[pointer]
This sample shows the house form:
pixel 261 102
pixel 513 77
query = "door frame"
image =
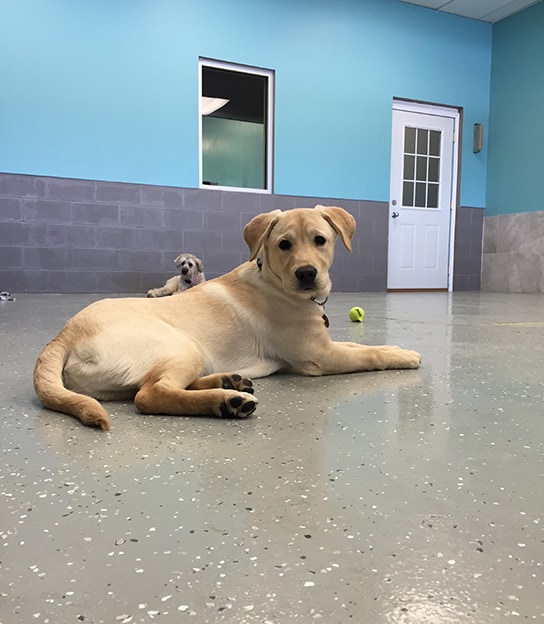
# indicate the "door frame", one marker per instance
pixel 455 113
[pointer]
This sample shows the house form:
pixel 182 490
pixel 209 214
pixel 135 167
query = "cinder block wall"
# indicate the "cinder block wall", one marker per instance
pixel 71 236
pixel 468 249
pixel 513 254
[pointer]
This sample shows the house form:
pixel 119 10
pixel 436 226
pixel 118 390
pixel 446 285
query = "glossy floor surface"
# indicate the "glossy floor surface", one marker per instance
pixel 388 497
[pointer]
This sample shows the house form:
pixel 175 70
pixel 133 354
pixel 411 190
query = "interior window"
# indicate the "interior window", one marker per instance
pixel 236 115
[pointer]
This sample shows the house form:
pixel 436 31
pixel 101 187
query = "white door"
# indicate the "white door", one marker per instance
pixel 421 201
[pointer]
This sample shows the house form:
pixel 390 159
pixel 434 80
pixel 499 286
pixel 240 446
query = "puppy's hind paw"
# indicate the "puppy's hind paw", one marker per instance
pixel 240 405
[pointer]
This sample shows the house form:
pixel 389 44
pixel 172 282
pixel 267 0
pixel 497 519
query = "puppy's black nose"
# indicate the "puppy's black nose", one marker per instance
pixel 306 275
pixel 184 271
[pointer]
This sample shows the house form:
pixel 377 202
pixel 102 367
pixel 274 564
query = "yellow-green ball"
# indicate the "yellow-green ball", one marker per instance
pixel 357 314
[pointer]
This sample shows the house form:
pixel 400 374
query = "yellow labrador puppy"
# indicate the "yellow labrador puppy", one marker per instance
pixel 195 355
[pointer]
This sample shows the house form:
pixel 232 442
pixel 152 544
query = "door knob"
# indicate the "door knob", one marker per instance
pixel 395 215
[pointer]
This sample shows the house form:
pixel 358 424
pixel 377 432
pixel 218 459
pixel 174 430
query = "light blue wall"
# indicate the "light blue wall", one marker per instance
pixel 107 89
pixel 516 141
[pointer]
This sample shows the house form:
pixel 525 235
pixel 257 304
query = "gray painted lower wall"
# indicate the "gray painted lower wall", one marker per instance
pixel 468 249
pixel 71 236
pixel 513 253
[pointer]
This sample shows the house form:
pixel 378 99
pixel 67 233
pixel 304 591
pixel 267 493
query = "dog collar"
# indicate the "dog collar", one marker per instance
pixel 322 303
pixel 195 280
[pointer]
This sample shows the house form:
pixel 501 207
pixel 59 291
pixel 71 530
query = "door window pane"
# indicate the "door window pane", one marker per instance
pixel 407 193
pixel 409 164
pixel 422 141
pixel 421 171
pixel 410 140
pixel 432 196
pixel 421 191
pixel 433 169
pixel 434 143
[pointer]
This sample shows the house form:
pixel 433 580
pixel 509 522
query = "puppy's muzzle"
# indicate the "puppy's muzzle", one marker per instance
pixel 184 271
pixel 306 276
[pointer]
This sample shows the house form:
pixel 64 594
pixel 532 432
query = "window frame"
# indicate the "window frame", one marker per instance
pixel 269 131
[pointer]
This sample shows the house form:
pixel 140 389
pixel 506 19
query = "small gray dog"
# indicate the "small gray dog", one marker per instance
pixel 191 274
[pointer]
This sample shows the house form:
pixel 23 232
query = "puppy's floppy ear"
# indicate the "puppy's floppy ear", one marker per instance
pixel 179 260
pixel 198 263
pixel 258 229
pixel 341 222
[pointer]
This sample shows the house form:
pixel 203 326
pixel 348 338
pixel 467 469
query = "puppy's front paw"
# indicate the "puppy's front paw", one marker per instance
pixel 237 382
pixel 396 357
pixel 412 358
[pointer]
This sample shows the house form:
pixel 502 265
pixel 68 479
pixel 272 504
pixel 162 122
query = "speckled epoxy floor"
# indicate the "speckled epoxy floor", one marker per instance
pixel 395 497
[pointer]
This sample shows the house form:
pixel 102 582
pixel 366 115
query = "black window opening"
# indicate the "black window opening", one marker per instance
pixel 236 127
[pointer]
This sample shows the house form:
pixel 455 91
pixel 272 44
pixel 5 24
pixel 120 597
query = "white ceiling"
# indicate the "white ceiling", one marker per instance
pixel 485 10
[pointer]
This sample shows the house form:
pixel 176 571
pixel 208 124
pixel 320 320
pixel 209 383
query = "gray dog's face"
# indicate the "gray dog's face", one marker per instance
pixel 188 265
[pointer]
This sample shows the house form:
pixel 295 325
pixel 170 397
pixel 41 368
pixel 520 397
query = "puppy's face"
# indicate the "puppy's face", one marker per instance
pixel 296 247
pixel 299 252
pixel 188 265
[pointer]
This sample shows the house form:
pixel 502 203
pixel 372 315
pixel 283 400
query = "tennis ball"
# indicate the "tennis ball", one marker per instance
pixel 357 314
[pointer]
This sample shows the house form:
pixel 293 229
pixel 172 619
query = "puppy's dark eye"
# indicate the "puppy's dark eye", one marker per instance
pixel 320 241
pixel 285 245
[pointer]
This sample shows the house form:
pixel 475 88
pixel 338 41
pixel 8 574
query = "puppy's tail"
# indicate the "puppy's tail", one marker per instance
pixel 49 386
